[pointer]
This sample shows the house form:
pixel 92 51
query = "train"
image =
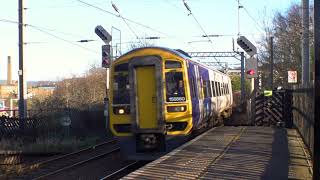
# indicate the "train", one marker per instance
pixel 159 96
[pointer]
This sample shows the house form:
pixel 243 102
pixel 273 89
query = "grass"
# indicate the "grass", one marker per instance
pixel 46 145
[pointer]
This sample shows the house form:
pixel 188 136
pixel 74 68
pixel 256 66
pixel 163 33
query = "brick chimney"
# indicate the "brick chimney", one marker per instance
pixel 9 71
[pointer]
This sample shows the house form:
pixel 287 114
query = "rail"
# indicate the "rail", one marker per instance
pixel 124 171
pixel 65 162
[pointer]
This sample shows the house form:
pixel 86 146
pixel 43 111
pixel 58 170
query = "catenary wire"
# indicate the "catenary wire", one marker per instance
pixel 41 29
pixel 62 39
pixel 205 34
pixel 132 21
pixel 124 20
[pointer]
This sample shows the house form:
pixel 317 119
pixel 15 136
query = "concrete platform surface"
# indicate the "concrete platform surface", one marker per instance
pixel 234 153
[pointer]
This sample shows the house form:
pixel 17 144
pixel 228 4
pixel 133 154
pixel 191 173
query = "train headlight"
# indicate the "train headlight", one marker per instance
pixel 121 111
pixel 176 108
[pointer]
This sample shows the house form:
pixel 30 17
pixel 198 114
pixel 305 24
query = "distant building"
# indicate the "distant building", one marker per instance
pixel 9 91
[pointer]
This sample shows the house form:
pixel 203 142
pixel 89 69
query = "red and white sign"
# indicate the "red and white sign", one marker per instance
pixel 292 77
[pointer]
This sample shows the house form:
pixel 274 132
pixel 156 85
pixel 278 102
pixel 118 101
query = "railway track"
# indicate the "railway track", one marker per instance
pixel 45 169
pixel 125 170
pixel 132 166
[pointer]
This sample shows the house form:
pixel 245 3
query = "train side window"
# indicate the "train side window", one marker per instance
pixel 172 64
pixel 228 89
pixel 192 89
pixel 213 89
pixel 200 89
pixel 225 86
pixel 218 88
pixel 205 92
pixel 222 89
pixel 209 89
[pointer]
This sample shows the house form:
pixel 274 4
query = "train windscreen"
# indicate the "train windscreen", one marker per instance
pixel 174 87
pixel 121 86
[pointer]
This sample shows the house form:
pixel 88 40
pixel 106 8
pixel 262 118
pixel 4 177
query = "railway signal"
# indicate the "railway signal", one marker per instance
pixel 106 55
pixel 103 34
pixel 251 72
pixel 251 68
pixel 247 46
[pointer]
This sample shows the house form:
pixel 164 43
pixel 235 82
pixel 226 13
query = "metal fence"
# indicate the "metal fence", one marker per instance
pixel 303 112
pixel 274 110
pixel 59 122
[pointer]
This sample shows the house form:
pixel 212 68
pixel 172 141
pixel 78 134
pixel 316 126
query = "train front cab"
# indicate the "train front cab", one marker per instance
pixel 149 103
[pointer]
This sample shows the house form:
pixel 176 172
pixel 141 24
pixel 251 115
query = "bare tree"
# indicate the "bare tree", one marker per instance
pixel 286 29
pixel 83 93
pixel 142 43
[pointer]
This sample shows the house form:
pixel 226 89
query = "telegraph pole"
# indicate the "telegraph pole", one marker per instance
pixel 271 62
pixel 305 41
pixel 316 139
pixel 21 80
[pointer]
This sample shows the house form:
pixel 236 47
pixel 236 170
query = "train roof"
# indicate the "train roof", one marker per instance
pixel 177 52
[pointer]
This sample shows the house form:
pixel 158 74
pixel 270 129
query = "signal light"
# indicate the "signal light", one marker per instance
pixel 106 56
pixel 251 72
pixel 251 68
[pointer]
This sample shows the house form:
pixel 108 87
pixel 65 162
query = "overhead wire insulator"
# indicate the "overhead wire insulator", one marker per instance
pixel 188 8
pixel 152 37
pixel 85 40
pixel 115 7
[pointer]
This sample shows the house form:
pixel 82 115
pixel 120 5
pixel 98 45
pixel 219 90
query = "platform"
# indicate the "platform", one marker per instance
pixel 234 153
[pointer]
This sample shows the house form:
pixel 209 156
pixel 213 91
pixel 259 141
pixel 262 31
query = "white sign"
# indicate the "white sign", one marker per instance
pixel 292 77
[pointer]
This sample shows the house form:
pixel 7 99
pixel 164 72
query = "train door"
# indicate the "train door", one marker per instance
pixel 200 95
pixel 146 97
pixel 214 93
pixel 218 90
pixel 146 94
pixel 194 93
pixel 146 103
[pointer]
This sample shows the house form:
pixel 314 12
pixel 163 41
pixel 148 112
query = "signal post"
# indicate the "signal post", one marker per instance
pixel 251 68
pixel 106 61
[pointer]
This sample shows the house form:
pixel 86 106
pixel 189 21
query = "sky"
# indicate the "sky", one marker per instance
pixel 51 50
